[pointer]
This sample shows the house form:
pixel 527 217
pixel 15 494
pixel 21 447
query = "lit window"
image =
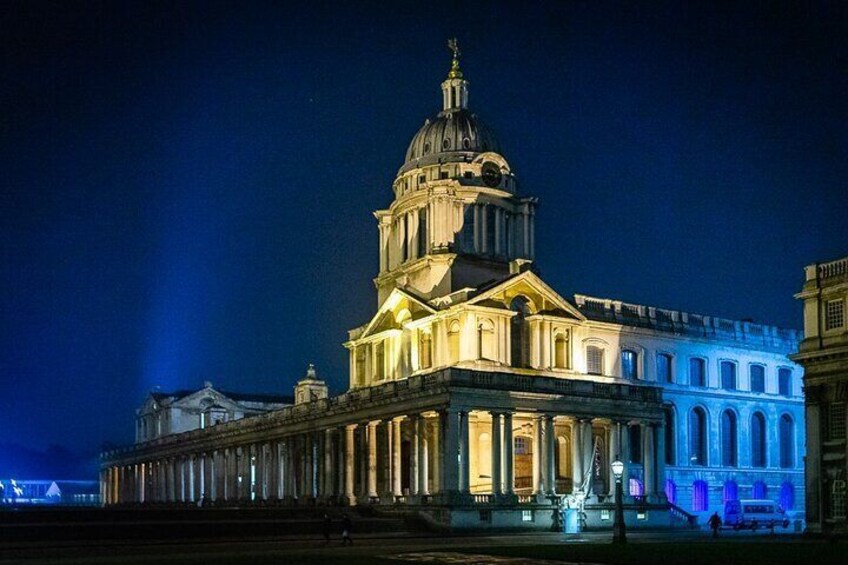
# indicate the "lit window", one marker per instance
pixel 526 515
pixel 594 360
pixel 758 378
pixel 664 368
pixel 700 498
pixel 836 421
pixel 728 439
pixel 784 382
pixel 698 437
pixel 786 431
pixel 628 364
pixel 834 314
pixel 728 375
pixel 758 440
pixel 636 488
pixel 521 445
pixel 697 372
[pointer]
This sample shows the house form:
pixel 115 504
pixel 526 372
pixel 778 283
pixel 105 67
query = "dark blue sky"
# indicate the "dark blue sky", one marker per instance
pixel 187 188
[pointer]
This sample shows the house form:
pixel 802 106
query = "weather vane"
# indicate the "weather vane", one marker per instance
pixel 454 72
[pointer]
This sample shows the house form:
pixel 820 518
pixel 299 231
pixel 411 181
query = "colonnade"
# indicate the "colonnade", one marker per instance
pixel 424 457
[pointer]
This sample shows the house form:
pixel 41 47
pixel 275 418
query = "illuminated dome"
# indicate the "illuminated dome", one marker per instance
pixel 454 134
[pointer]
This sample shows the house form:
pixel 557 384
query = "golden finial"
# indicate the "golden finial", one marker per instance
pixel 454 72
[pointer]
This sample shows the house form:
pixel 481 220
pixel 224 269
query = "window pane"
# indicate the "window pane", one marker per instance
pixel 787 442
pixel 664 368
pixel 728 375
pixel 728 439
pixel 758 441
pixel 628 364
pixel 697 375
pixel 758 378
pixel 784 382
pixel 834 314
pixel 594 360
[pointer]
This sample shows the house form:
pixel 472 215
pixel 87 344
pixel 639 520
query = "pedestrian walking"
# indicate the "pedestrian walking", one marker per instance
pixel 328 528
pixel 714 523
pixel 346 530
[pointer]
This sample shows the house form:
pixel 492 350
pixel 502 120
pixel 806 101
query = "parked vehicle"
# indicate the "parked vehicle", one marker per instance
pixel 753 514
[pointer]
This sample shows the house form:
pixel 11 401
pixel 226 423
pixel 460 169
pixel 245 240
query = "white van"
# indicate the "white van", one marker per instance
pixel 753 514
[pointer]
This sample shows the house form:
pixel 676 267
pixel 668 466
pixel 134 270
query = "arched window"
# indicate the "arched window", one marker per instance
pixel 784 382
pixel 561 350
pixel 664 368
pixel 635 487
pixel 697 372
pixel 760 490
pixel 486 340
pixel 758 378
pixel 787 496
pixel 700 496
pixel 728 375
pixel 425 351
pixel 671 491
pixel 731 491
pixel 670 436
pixel 519 336
pixel 453 342
pixel 697 436
pixel 594 360
pixel 787 442
pixel 629 360
pixel 728 439
pixel 758 440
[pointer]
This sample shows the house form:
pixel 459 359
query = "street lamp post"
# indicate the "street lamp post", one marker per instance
pixel 619 534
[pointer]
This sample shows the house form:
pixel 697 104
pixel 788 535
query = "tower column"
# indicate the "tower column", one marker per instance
pixel 350 456
pixel 372 459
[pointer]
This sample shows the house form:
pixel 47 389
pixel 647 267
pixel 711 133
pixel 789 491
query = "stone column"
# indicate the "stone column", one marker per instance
pixel 309 462
pixel 423 460
pixel 614 453
pixel 329 483
pixel 414 457
pixel 397 489
pixel 451 460
pixel 550 455
pixel 339 462
pixel 660 461
pixel 292 492
pixel 497 450
pixel 350 457
pixel 274 470
pixel 464 454
pixel 624 444
pixel 576 455
pixel 385 461
pixel 435 447
pixel 538 464
pixel 509 467
pixel 588 450
pixel 648 460
pixel 372 458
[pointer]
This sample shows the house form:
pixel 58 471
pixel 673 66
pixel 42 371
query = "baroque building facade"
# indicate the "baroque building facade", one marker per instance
pixel 478 396
pixel 824 355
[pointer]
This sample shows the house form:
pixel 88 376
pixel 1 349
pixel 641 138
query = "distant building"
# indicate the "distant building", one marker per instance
pixel 480 396
pixel 824 355
pixel 66 493
pixel 166 413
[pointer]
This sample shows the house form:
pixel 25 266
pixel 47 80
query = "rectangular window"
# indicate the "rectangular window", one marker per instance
pixel 834 314
pixel 443 175
pixel 784 382
pixel 526 515
pixel 697 372
pixel 664 368
pixel 605 514
pixel 758 378
pixel 836 421
pixel 728 375
pixel 422 179
pixel 594 360
pixel 628 364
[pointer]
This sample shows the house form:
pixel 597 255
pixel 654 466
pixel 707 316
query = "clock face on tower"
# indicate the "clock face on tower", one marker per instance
pixel 491 174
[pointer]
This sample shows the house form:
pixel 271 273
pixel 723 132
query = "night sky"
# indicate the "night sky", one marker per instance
pixel 187 188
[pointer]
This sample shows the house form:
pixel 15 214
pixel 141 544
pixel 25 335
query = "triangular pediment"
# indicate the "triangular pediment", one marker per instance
pixel 398 307
pixel 542 298
pixel 206 398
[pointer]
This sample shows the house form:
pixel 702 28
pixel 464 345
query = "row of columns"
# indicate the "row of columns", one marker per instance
pixel 362 462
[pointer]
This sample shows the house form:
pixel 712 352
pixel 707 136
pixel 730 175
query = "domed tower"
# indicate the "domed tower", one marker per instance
pixel 456 220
